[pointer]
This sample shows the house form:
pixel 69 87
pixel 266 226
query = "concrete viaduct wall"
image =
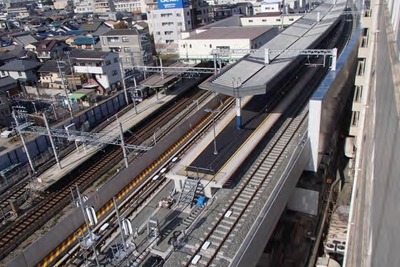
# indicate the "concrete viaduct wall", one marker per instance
pixel 42 247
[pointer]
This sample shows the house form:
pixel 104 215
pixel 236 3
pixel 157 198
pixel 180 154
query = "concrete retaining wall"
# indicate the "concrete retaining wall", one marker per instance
pixel 41 143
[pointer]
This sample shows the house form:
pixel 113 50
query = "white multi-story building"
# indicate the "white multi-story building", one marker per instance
pixel 199 46
pixel 102 69
pixel 130 5
pixel 133 46
pixel 168 24
pixel 269 19
pixel 94 6
pixel 104 6
pixel 84 6
pixel 60 4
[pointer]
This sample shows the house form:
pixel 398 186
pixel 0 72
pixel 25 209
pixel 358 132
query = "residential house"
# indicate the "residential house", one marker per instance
pixel 52 74
pixel 133 46
pixel 23 38
pixel 84 42
pixel 50 49
pixel 91 27
pixel 101 68
pixel 5 113
pixel 6 57
pixel 8 88
pixel 21 70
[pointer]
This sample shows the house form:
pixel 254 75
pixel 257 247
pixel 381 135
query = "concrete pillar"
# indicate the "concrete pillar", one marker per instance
pixel 238 113
pixel 207 191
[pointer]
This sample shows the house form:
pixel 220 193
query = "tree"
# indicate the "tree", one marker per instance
pixel 120 25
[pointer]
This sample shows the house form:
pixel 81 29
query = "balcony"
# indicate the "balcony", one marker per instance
pixel 89 69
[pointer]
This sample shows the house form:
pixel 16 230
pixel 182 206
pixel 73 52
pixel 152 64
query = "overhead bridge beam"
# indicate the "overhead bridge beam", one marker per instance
pixel 270 54
pixel 79 136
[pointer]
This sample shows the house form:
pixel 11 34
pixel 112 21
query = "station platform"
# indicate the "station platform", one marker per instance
pixel 234 146
pixel 252 76
pixel 128 120
pixel 158 80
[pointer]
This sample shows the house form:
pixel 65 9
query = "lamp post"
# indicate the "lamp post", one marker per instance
pixel 214 112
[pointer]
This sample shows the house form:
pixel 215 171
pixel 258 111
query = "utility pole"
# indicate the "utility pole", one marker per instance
pixel 123 82
pixel 51 141
pixel 23 140
pixel 65 87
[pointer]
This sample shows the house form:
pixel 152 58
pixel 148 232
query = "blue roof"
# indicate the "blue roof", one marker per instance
pixel 83 41
pixel 74 32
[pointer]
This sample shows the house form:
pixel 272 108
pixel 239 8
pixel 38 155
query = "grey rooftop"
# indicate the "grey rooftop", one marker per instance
pixel 250 76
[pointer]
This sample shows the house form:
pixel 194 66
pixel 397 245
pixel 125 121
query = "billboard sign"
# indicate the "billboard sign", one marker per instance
pixel 169 4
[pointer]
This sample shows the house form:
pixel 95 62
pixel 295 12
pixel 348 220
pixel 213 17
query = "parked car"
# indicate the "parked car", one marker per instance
pixel 8 133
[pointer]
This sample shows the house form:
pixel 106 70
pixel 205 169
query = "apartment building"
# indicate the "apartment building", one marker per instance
pixel 169 20
pixel 133 46
pixel 130 5
pixel 101 68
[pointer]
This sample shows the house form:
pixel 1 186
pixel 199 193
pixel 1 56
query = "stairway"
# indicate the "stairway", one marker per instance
pixel 189 191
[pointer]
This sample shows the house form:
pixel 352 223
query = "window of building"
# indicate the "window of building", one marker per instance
pixel 115 60
pixel 19 73
pixel 179 23
pixel 291 19
pixel 125 39
pixel 178 14
pixel 168 32
pixel 158 33
pixel 210 45
pixel 127 49
pixel 3 72
pixel 355 117
pixel 183 46
pixel 113 39
pixel 189 22
pixel 190 46
pixel 278 19
pixel 358 93
pixel 114 72
pixel 81 64
pixel 250 20
pixel 264 20
pixel 187 13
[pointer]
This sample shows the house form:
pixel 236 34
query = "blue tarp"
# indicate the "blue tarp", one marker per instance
pixel 201 201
